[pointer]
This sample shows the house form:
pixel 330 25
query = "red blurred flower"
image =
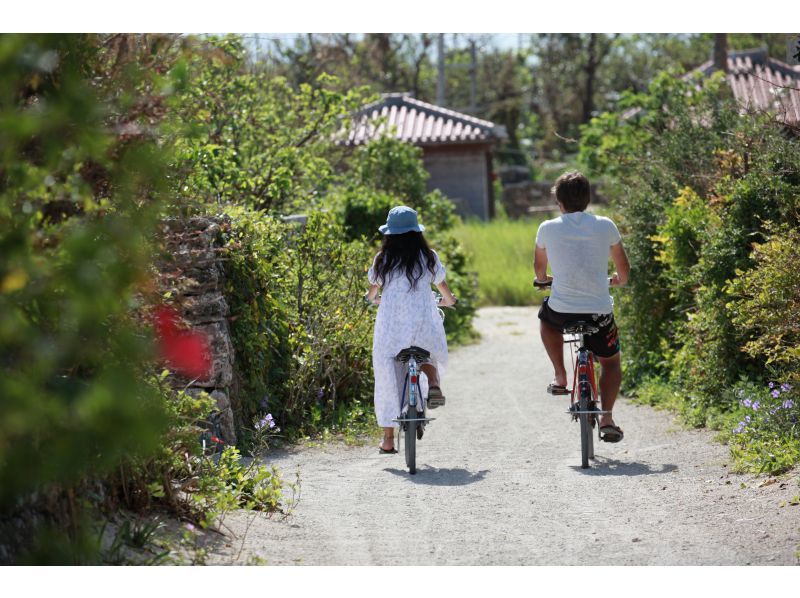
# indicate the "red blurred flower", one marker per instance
pixel 187 352
pixel 217 440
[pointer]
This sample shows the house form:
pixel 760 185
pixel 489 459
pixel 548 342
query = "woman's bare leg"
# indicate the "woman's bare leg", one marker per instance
pixel 431 373
pixel 388 439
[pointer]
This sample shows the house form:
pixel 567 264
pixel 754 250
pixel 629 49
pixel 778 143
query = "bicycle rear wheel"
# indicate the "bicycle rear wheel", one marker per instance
pixel 586 428
pixel 411 440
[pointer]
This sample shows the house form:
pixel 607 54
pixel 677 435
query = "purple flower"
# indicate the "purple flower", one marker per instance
pixel 772 385
pixel 788 404
pixel 266 421
pixel 746 402
pixel 775 393
pixel 756 405
pixel 265 401
pixel 747 418
pixel 786 387
pixel 189 526
pixel 320 394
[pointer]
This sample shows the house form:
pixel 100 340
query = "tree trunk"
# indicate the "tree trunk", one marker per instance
pixel 591 74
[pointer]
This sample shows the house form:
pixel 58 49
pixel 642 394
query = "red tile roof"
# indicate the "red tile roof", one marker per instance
pixel 419 122
pixel 759 82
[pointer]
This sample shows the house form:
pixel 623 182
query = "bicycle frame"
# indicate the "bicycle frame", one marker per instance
pixel 414 389
pixel 583 369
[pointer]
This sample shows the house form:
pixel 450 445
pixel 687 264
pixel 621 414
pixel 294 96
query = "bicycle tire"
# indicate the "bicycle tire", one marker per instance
pixel 411 440
pixel 586 426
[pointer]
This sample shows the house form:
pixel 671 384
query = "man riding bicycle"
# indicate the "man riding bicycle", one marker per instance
pixel 577 246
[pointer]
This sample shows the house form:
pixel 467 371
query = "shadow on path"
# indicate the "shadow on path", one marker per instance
pixel 433 476
pixel 602 466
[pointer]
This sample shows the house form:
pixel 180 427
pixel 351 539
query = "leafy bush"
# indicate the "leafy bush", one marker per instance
pixel 74 250
pixel 82 185
pixel 766 302
pixel 248 138
pixel 767 436
pixel 698 185
pixel 387 172
pixel 302 333
pixel 257 288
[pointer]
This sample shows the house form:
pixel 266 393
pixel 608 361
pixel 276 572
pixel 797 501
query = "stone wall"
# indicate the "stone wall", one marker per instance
pixel 192 272
pixel 527 198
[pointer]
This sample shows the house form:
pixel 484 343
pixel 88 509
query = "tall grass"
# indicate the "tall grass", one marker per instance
pixel 501 251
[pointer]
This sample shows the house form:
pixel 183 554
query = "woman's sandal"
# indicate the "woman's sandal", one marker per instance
pixel 435 397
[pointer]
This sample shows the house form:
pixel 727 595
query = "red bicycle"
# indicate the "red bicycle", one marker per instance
pixel 584 399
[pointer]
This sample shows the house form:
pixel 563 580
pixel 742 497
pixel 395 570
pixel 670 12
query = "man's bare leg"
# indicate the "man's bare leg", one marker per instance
pixel 553 342
pixel 610 380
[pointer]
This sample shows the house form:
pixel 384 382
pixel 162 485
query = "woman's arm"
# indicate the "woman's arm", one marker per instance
pixel 372 294
pixel 448 299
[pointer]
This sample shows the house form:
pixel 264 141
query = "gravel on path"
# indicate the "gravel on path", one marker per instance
pixel 499 483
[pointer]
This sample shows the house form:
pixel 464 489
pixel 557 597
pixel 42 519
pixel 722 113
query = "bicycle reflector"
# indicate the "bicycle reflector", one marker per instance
pixel 413 379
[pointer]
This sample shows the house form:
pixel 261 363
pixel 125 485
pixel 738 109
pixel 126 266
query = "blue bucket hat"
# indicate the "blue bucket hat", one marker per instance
pixel 401 219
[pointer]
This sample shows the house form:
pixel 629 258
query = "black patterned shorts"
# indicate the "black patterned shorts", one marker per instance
pixel 604 343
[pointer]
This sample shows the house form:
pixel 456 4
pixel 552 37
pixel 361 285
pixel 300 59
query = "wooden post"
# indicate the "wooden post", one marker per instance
pixel 440 78
pixel 721 52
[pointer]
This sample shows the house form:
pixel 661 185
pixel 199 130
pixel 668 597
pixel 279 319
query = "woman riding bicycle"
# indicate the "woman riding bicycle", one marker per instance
pixel 404 269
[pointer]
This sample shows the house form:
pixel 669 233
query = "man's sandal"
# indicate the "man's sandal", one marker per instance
pixel 435 397
pixel 557 389
pixel 383 451
pixel 611 433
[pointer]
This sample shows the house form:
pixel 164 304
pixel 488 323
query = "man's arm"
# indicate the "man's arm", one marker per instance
pixel 540 264
pixel 620 259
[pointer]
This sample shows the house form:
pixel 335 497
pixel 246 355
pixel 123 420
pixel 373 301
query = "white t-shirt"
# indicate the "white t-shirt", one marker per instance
pixel 578 247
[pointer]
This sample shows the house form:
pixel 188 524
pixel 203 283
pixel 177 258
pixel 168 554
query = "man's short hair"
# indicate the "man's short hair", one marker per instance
pixel 573 191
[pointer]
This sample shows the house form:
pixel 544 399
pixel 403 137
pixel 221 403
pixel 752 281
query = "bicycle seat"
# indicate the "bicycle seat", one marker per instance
pixel 419 355
pixel 581 327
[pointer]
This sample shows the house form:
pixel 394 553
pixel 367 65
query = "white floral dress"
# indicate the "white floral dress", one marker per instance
pixel 406 317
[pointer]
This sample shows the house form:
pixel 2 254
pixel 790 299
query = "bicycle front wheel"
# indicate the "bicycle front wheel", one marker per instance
pixel 411 440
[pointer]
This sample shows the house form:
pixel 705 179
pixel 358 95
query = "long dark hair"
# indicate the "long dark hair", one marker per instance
pixel 408 253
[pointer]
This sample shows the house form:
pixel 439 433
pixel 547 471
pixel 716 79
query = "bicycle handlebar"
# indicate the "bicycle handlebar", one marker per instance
pixel 437 298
